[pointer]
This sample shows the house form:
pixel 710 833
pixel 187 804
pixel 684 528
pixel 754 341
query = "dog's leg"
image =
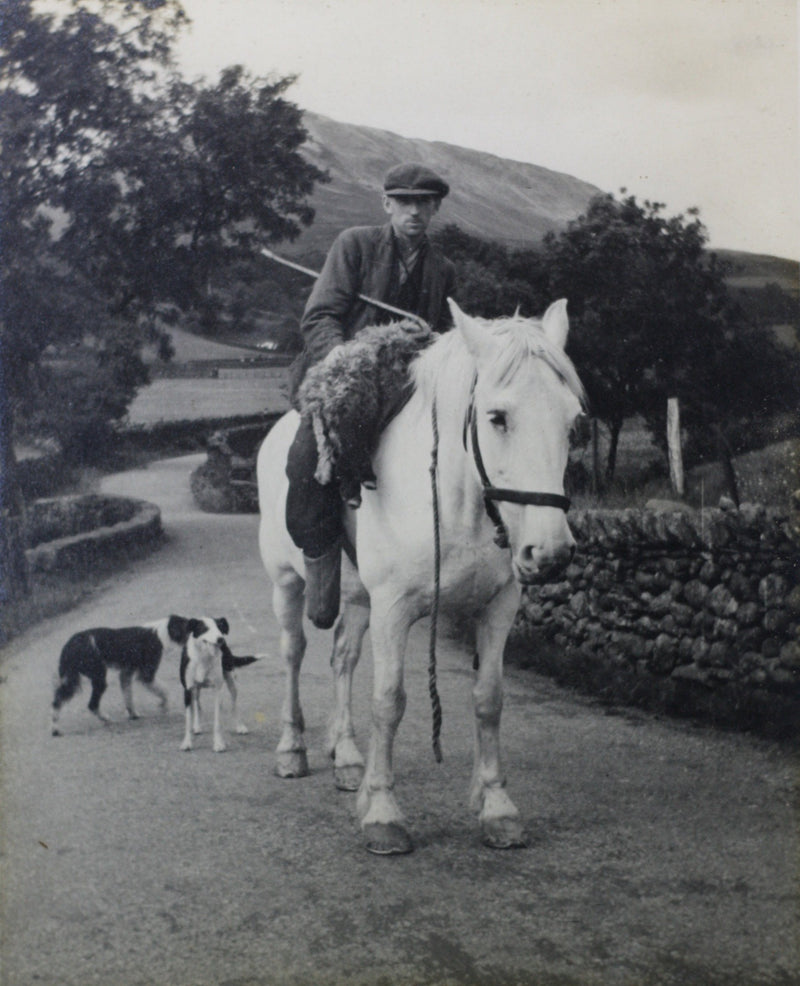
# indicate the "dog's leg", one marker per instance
pixel 230 681
pixel 125 678
pixel 196 725
pixel 158 691
pixel 188 700
pixel 98 687
pixel 220 745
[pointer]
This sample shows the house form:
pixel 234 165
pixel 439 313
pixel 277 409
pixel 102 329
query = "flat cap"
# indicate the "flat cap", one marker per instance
pixel 414 179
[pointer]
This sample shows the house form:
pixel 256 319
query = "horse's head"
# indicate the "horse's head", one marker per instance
pixel 526 399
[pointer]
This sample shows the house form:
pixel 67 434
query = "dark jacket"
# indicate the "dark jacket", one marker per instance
pixel 363 260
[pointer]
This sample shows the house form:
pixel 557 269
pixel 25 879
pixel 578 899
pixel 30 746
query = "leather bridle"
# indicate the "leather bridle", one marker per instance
pixel 493 494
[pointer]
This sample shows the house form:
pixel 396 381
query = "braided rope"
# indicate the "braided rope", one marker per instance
pixel 436 704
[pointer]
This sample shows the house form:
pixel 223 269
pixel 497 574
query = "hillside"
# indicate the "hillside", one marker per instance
pixel 754 270
pixel 507 201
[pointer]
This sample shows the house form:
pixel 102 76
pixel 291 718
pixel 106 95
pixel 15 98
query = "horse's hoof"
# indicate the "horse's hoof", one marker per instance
pixel 292 764
pixel 348 778
pixel 503 833
pixel 387 839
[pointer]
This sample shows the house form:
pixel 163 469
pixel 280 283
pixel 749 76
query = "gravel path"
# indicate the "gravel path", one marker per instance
pixel 660 853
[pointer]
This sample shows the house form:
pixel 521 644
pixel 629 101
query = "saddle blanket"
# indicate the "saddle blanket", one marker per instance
pixel 353 394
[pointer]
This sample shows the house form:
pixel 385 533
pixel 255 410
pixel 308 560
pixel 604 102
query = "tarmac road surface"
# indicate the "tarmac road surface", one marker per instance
pixel 660 852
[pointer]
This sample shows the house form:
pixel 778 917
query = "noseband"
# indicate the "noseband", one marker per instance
pixel 492 494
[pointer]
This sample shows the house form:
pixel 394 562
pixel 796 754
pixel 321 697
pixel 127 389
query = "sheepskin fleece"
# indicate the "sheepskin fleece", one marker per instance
pixel 353 393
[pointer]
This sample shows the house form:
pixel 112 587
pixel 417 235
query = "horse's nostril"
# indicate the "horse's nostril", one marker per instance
pixel 533 558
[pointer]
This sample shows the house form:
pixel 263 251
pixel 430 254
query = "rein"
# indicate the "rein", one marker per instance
pixel 436 704
pixel 491 495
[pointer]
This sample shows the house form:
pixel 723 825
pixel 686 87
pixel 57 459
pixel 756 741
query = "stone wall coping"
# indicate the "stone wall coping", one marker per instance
pixel 81 550
pixel 710 528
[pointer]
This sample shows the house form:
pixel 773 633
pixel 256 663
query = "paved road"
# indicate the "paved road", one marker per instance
pixel 660 853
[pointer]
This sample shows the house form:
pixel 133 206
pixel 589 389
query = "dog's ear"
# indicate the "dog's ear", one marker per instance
pixel 177 628
pixel 222 623
pixel 196 627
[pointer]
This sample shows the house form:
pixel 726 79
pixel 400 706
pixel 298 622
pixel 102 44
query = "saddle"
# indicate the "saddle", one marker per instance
pixel 353 394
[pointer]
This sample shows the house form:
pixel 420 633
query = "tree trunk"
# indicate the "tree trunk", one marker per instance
pixel 726 461
pixel 595 456
pixel 14 576
pixel 615 428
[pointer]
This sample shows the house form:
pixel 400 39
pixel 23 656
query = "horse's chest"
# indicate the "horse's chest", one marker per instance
pixel 470 577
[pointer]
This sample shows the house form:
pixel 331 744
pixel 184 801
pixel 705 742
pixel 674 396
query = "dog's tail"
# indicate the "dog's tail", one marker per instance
pixel 242 662
pixel 230 661
pixel 65 686
pixel 68 679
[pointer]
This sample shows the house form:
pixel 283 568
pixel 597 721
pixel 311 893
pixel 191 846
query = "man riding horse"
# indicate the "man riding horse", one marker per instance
pixel 394 264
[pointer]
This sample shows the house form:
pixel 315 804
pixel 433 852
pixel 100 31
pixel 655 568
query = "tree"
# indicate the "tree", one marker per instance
pixel 653 318
pixel 123 186
pixel 216 175
pixel 645 300
pixel 492 279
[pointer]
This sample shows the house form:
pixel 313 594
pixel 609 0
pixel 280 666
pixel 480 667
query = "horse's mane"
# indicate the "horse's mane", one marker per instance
pixel 521 339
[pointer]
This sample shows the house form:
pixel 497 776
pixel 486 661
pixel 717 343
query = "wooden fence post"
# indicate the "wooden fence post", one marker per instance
pixel 674 445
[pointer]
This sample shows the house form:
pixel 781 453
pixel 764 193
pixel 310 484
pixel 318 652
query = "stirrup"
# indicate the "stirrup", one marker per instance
pixel 323 587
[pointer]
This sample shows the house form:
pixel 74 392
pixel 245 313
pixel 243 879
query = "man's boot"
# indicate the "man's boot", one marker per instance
pixel 323 587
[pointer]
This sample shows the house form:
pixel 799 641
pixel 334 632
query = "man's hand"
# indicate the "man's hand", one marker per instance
pixel 417 327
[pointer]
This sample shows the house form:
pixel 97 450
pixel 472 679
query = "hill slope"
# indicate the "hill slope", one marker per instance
pixel 507 201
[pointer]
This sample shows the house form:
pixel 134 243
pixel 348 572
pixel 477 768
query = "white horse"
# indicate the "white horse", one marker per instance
pixel 502 397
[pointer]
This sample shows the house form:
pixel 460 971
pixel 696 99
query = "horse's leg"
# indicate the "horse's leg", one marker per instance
pixel 348 634
pixel 287 600
pixel 381 819
pixel 499 819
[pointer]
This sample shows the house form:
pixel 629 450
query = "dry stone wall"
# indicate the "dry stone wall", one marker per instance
pixel 690 612
pixel 76 533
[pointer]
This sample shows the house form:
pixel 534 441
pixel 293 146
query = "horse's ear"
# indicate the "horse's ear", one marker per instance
pixel 555 323
pixel 475 337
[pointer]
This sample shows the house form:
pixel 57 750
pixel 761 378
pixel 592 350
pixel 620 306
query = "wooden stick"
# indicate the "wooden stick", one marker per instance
pixel 370 301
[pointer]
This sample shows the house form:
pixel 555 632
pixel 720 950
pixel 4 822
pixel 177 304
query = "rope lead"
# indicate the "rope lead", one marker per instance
pixel 436 704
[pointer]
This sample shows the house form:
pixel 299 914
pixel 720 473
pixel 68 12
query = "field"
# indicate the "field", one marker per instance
pixel 187 399
pixel 768 476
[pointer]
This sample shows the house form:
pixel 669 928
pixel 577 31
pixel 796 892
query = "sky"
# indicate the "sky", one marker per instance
pixel 692 103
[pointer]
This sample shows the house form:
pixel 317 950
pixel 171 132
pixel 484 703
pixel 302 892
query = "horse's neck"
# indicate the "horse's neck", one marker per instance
pixel 460 492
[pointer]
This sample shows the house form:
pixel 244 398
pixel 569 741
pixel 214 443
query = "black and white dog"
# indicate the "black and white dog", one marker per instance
pixel 206 662
pixel 135 651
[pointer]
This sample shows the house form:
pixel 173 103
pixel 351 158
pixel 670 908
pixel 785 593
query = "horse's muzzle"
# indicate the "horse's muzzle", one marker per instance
pixel 535 566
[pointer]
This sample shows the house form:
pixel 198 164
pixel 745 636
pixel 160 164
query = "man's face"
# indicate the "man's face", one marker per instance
pixel 411 214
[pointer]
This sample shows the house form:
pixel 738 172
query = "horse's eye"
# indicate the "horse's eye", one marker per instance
pixel 499 420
